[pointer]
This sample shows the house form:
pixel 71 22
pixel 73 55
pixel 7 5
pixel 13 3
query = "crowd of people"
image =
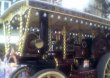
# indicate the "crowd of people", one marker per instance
pixel 8 64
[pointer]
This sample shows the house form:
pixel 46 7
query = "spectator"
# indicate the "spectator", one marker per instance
pixel 11 62
pixel 2 70
pixel 12 58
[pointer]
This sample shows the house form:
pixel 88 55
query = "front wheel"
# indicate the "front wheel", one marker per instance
pixel 49 73
pixel 21 72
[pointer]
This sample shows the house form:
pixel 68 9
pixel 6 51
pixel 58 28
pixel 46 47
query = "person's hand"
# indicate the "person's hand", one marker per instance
pixel 13 65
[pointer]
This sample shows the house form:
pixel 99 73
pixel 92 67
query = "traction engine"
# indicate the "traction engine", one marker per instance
pixel 58 43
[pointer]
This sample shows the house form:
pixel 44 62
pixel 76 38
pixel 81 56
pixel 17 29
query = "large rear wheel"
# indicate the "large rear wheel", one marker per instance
pixel 103 67
pixel 99 47
pixel 49 73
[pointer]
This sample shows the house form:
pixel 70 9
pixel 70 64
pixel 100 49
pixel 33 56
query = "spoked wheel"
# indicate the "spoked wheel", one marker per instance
pixel 21 72
pixel 49 73
pixel 103 67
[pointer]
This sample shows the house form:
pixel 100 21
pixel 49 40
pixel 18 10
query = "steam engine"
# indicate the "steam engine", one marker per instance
pixel 59 43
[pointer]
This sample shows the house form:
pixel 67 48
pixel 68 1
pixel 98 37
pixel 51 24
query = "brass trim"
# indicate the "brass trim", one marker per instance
pixel 26 28
pixel 69 15
pixel 56 61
